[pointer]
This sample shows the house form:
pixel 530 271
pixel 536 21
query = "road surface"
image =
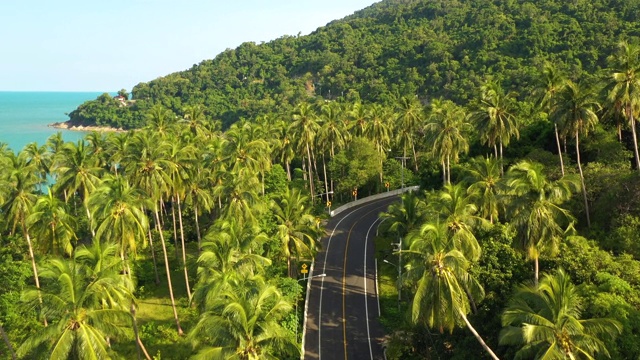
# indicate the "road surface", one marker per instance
pixel 342 319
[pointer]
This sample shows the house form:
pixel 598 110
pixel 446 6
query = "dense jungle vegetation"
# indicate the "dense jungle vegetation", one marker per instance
pixel 518 120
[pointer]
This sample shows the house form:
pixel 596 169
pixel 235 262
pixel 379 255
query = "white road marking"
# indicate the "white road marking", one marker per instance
pixel 366 305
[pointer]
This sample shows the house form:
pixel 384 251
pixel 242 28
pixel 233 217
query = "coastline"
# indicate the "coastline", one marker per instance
pixel 66 125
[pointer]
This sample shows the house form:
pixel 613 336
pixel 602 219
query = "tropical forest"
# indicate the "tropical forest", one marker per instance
pixel 182 234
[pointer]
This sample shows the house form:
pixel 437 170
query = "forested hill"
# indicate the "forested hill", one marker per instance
pixel 432 48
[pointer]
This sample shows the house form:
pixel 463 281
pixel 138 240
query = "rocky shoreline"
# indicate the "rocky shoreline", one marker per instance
pixel 66 125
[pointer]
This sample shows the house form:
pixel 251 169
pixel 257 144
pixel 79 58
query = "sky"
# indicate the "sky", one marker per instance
pixel 87 45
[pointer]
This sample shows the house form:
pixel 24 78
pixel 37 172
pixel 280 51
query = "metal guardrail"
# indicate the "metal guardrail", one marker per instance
pixel 371 198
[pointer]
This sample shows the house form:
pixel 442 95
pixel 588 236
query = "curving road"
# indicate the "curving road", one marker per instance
pixel 342 320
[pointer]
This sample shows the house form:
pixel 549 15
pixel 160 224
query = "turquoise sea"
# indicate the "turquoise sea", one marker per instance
pixel 24 116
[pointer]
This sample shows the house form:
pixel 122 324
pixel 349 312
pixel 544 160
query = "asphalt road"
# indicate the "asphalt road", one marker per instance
pixel 342 319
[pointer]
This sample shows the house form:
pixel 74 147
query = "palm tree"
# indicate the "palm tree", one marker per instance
pixel 446 129
pixel 551 83
pixel 150 170
pixel 39 157
pixel 484 177
pixel 19 200
pixel 77 173
pixel 297 227
pixel 303 129
pixel 545 321
pixel 454 208
pixel 332 134
pixel 118 215
pixel 379 130
pixel 535 208
pixel 196 120
pixel 243 202
pixel 359 115
pixel 244 323
pixel 227 259
pixel 198 196
pixel 577 108
pixel 51 225
pixel 160 120
pixel 410 117
pixel 624 85
pixel 85 307
pixel 494 118
pixel 444 285
pixel 181 155
pixel 245 153
pixel 406 216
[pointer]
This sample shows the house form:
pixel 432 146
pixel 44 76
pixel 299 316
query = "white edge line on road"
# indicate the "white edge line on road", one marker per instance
pixel 366 301
pixel 306 308
pixel 377 289
pixel 324 271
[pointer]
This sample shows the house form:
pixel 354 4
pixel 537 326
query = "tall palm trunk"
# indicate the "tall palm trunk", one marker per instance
pixel 310 173
pixel 195 214
pixel 475 333
pixel 536 270
pixel 6 340
pixel 184 251
pixel 153 253
pixel 555 126
pixel 501 160
pixel 444 173
pixel 33 264
pixel 448 171
pixel 175 227
pixel 326 183
pixel 288 166
pixel 93 231
pixel 166 265
pixel 139 343
pixel 632 121
pixel 584 188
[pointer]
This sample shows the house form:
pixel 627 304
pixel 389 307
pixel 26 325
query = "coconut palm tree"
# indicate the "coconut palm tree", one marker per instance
pixel 198 196
pixel 150 169
pixel 445 129
pixel 227 258
pixel 577 109
pixel 624 86
pixel 304 128
pixel 85 309
pixel 244 323
pixel 118 215
pixel 19 199
pixel 534 205
pixel 297 227
pixel 454 207
pixel 410 118
pixel 484 176
pixel 494 117
pixel 196 120
pixel 52 226
pixel 444 285
pixel 39 157
pixel 404 217
pixel 379 130
pixel 551 82
pixel 545 320
pixel 77 173
pixel 332 134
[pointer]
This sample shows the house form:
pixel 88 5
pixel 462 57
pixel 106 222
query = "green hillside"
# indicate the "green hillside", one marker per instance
pixel 433 49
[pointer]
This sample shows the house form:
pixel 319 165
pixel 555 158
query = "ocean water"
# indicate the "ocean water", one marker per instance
pixel 24 116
